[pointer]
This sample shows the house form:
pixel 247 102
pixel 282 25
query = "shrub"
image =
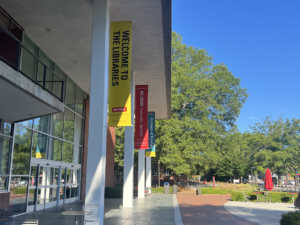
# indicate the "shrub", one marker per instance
pixel 114 192
pixel 290 218
pixel 238 195
pixel 216 191
pixel 19 190
pixel 160 190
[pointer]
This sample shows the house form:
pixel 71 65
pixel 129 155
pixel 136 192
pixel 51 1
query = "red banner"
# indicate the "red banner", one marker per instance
pixel 141 117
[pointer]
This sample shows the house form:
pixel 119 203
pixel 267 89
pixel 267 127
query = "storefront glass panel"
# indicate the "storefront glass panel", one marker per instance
pixel 57 125
pixel 42 124
pixel 22 148
pixel 69 125
pixel 5 146
pixel 39 146
pixel 18 194
pixel 55 149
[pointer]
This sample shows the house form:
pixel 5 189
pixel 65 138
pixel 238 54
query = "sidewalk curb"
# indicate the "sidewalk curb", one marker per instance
pixel 177 213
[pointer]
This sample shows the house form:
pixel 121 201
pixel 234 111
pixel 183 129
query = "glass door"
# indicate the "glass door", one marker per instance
pixel 32 188
pixel 43 187
pixel 72 184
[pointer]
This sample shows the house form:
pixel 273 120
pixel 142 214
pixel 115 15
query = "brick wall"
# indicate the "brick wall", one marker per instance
pixel 4 199
pixel 110 154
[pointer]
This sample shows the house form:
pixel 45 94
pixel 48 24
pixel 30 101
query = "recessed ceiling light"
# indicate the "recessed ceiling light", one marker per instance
pixel 30 114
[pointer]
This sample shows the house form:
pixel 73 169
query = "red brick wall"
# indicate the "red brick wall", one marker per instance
pixel 4 199
pixel 85 149
pixel 110 154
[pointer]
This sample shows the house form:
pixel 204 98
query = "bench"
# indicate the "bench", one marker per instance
pixel 26 222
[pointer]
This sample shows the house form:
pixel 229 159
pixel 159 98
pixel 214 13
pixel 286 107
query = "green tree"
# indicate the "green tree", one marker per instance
pixel 206 101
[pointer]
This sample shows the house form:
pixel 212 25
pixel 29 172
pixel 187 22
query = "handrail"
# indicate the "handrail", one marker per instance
pixel 29 51
pixel 18 67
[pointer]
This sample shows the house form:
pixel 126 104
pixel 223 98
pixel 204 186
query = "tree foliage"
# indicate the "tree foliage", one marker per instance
pixel 206 101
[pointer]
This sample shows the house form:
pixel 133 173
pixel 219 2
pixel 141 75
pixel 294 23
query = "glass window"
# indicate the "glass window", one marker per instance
pixel 55 149
pixel 57 125
pixel 9 48
pixel 16 31
pixel 33 176
pixel 30 46
pixel 70 93
pixel 5 146
pixel 27 123
pixel 78 130
pixel 69 125
pixel 18 194
pixel 80 96
pixel 57 86
pixel 31 197
pixel 55 181
pixel 67 155
pixel 5 128
pixel 3 181
pixel 42 124
pixel 39 146
pixel 49 76
pixel 29 64
pixel 22 147
pixel 63 170
pixel 4 21
pixel 77 154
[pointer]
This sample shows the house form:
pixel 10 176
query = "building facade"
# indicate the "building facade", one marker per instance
pixel 41 157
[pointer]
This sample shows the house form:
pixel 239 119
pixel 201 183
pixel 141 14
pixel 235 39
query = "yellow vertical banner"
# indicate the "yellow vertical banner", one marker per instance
pixel 119 96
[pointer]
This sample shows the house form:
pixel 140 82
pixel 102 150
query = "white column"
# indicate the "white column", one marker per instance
pixel 141 173
pixel 95 179
pixel 129 156
pixel 148 172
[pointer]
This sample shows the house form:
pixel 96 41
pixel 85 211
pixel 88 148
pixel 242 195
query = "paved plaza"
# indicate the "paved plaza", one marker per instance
pixel 260 213
pixel 207 210
pixel 156 209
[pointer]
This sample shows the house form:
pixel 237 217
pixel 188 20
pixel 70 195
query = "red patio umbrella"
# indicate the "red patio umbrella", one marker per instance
pixel 268 180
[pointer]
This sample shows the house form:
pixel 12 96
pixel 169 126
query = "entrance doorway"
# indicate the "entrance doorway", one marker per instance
pixel 52 184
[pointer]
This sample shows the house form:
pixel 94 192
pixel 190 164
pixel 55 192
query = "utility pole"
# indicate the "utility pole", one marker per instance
pixel 252 176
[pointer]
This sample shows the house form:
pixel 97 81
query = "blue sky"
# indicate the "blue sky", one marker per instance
pixel 258 40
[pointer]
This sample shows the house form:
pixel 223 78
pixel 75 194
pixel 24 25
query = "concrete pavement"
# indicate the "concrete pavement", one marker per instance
pixel 259 213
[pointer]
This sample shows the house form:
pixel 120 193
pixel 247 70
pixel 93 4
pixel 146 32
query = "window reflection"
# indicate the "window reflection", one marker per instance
pixel 67 152
pixel 21 156
pixel 29 63
pixel 27 123
pixel 5 128
pixel 70 94
pixel 18 194
pixel 80 96
pixel 78 130
pixel 69 125
pixel 42 124
pixel 39 146
pixel 57 125
pixel 55 149
pixel 5 146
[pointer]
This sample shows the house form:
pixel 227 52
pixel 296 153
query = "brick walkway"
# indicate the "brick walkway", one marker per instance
pixel 207 210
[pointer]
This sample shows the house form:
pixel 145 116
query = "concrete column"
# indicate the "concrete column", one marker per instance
pixel 141 171
pixel 129 155
pixel 148 172
pixel 96 159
